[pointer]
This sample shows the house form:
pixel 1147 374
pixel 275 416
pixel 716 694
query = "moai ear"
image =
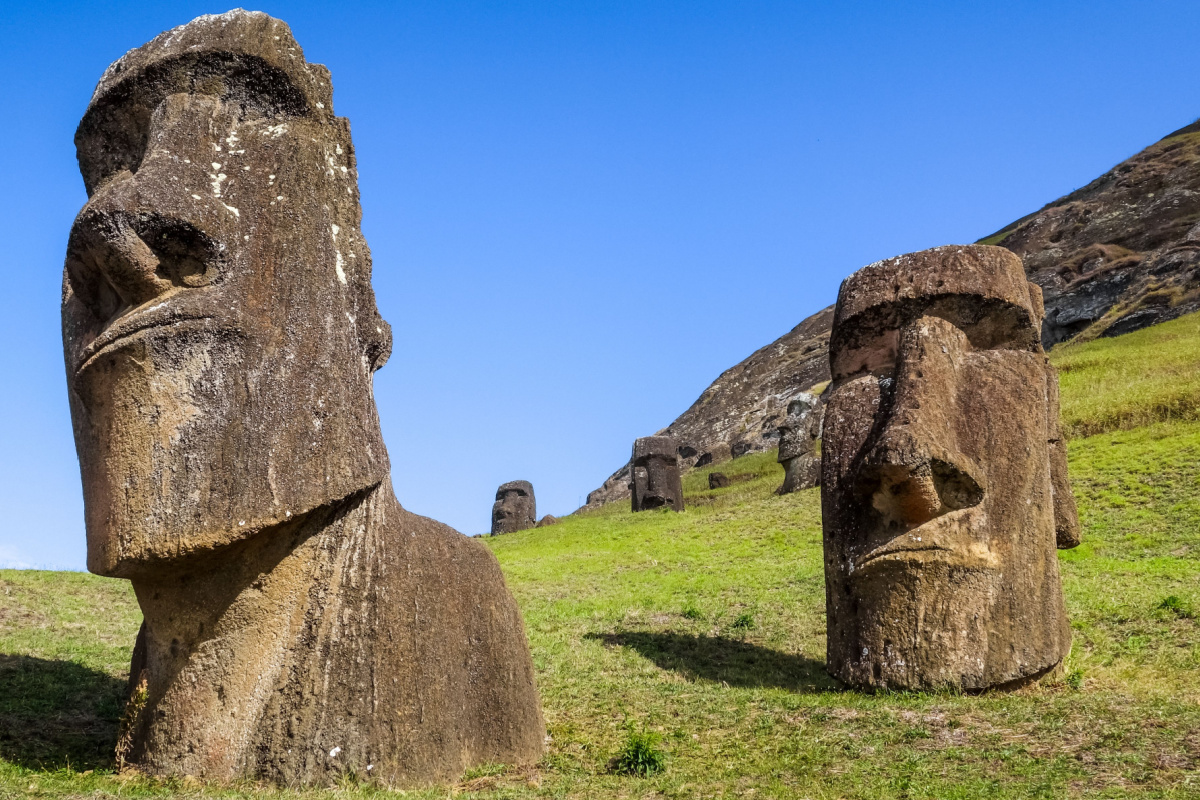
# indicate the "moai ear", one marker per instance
pixel 1066 516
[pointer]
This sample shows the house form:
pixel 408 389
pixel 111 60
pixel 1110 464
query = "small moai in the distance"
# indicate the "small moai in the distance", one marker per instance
pixel 655 467
pixel 515 508
pixel 797 445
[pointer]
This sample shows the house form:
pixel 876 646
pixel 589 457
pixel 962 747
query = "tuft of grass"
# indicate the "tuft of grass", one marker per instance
pixel 691 611
pixel 641 754
pixel 743 622
pixel 1074 679
pixel 1176 605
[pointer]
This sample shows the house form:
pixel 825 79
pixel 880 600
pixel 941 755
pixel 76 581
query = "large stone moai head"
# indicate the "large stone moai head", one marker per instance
pixel 515 508
pixel 944 488
pixel 797 445
pixel 219 326
pixel 655 474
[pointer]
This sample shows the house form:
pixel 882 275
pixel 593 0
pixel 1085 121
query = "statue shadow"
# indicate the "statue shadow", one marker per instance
pixel 722 660
pixel 56 714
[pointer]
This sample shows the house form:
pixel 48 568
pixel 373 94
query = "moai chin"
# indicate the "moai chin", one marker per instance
pixel 944 477
pixel 797 445
pixel 220 335
pixel 655 472
pixel 515 508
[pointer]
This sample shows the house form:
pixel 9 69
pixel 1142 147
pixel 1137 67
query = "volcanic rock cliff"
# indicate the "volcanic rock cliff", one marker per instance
pixel 1120 254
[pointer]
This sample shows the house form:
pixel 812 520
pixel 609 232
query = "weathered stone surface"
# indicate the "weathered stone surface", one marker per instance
pixel 718 480
pixel 515 508
pixel 655 470
pixel 547 520
pixel 220 334
pixel 944 486
pixel 797 445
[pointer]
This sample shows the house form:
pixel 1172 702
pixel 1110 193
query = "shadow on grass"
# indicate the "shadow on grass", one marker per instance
pixel 58 713
pixel 718 659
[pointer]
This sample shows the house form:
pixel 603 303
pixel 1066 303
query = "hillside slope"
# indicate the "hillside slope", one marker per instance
pixel 707 629
pixel 1120 254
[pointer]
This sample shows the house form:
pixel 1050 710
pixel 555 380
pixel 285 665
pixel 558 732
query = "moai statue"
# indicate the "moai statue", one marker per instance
pixel 220 335
pixel 655 468
pixel 515 508
pixel 797 445
pixel 944 487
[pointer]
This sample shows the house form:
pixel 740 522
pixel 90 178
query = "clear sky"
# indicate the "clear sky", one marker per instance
pixel 582 212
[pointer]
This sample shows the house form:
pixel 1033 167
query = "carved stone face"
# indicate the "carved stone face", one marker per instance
pixel 515 508
pixel 655 467
pixel 944 483
pixel 800 428
pixel 219 327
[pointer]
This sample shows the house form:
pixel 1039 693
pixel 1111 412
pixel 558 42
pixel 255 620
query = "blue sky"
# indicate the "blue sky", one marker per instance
pixel 581 213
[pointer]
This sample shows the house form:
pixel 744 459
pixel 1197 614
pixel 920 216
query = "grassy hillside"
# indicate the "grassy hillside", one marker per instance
pixel 706 629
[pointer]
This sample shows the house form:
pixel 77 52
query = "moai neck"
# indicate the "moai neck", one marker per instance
pixel 222 638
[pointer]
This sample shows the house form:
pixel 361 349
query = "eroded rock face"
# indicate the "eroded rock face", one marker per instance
pixel 515 508
pixel 944 485
pixel 797 445
pixel 220 334
pixel 655 470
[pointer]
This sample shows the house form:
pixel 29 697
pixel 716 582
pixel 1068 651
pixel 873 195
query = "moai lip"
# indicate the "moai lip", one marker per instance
pixel 797 445
pixel 655 470
pixel 944 484
pixel 220 335
pixel 515 508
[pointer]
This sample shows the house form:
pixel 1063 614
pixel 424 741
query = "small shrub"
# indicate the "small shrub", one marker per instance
pixel 1074 679
pixel 640 755
pixel 1177 606
pixel 691 611
pixel 743 622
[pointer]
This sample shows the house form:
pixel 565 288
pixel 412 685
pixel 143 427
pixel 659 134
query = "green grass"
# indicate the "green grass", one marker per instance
pixel 1129 381
pixel 704 633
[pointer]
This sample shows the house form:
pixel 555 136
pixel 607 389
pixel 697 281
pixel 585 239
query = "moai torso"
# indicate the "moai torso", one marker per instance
pixel 515 508
pixel 944 486
pixel 655 474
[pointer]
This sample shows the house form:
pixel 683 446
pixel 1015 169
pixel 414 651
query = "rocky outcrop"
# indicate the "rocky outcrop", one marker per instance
pixel 1123 252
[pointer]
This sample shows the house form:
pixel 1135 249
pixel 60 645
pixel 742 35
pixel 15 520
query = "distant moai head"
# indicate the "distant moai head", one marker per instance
pixel 797 445
pixel 515 508
pixel 800 428
pixel 655 468
pixel 219 327
pixel 944 485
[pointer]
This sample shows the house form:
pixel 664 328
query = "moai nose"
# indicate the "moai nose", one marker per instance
pixel 914 470
pixel 106 244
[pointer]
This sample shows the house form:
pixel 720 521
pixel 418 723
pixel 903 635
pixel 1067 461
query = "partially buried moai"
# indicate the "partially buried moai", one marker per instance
pixel 515 508
pixel 655 474
pixel 797 445
pixel 945 490
pixel 220 334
